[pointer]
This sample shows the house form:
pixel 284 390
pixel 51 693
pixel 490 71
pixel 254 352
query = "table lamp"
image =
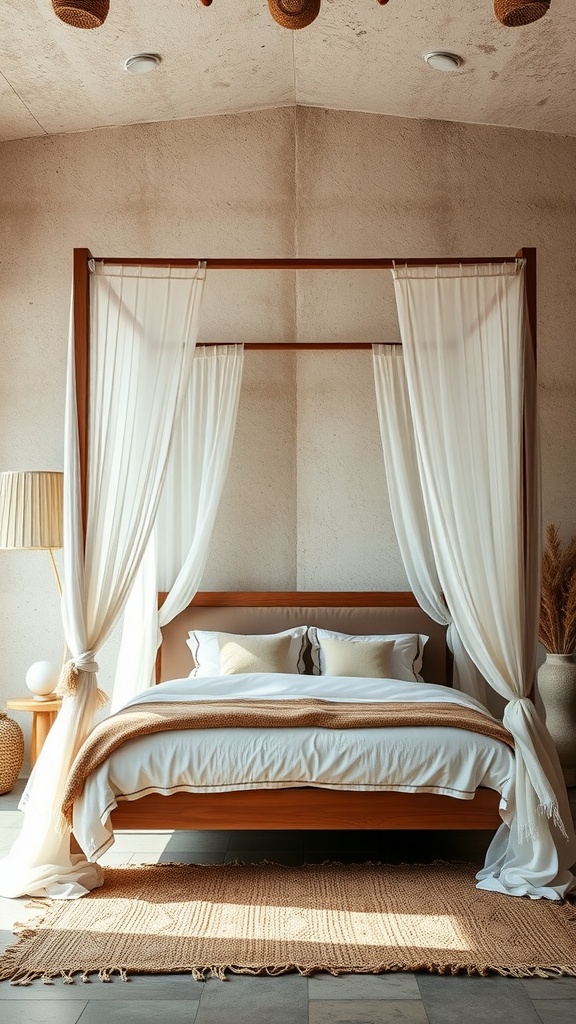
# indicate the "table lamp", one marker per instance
pixel 31 517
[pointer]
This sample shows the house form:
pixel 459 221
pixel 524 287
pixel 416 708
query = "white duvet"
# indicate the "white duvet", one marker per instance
pixel 432 760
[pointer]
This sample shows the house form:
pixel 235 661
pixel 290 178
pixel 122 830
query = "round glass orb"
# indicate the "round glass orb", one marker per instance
pixel 42 678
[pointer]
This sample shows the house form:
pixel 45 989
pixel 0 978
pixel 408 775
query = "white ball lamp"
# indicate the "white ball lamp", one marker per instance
pixel 42 679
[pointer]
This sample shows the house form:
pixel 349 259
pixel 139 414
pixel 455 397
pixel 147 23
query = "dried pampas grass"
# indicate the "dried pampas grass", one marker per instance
pixel 557 632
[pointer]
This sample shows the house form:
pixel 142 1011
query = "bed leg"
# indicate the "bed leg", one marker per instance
pixel 74 845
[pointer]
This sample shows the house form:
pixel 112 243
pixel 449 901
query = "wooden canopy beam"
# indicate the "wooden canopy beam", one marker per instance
pixel 303 263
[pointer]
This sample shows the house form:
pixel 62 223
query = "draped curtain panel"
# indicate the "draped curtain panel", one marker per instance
pixel 471 385
pixel 407 506
pixel 143 328
pixel 176 554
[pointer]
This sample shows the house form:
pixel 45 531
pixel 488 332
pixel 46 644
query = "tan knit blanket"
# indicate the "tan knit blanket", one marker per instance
pixel 143 719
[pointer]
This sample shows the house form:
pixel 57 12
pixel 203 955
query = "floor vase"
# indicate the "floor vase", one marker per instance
pixel 11 752
pixel 557 689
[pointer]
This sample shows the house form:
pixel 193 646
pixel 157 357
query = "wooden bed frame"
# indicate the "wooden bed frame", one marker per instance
pixel 305 808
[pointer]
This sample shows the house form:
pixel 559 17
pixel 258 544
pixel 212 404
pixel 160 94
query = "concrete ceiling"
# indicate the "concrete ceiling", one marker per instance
pixel 233 57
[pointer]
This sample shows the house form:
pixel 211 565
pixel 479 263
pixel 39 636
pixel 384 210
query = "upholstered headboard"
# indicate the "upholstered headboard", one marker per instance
pixel 357 612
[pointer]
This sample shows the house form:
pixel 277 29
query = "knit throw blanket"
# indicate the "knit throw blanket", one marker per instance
pixel 143 719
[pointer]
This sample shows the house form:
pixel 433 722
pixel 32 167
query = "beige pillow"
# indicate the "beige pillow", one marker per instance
pixel 254 654
pixel 368 661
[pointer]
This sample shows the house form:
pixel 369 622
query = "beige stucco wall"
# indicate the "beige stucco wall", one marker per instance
pixel 305 504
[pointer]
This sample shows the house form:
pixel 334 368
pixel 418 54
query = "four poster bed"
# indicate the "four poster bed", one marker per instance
pixel 302 808
pixel 457 413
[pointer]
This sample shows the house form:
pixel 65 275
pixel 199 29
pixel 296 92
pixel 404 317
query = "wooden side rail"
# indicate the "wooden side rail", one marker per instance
pixel 308 808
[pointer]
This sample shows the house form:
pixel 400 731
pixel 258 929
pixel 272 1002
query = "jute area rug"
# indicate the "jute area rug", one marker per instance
pixel 270 918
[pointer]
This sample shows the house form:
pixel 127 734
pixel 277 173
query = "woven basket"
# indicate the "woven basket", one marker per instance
pixel 11 752
pixel 514 13
pixel 82 13
pixel 294 13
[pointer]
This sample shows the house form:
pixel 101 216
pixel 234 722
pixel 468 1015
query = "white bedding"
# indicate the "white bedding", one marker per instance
pixel 442 760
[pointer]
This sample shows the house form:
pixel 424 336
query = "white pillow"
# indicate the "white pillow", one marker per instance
pixel 205 646
pixel 407 654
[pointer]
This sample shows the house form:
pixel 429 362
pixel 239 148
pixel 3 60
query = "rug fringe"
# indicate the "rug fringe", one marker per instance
pixel 222 972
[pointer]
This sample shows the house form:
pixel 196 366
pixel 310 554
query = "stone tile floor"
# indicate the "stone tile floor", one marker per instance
pixel 290 999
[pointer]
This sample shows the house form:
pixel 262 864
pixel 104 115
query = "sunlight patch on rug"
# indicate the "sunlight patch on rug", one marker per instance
pixel 270 918
pixel 267 922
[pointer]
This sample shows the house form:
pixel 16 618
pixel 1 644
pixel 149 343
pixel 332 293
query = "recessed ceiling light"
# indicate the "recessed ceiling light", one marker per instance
pixel 141 63
pixel 442 61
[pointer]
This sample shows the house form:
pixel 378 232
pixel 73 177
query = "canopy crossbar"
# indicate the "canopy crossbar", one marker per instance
pixel 303 263
pixel 296 346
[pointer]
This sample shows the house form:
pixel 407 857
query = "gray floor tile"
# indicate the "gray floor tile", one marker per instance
pixel 179 857
pixel 150 987
pixel 320 856
pixel 149 842
pixel 7 837
pixel 9 801
pixel 40 1012
pixel 376 1011
pixel 258 855
pixel 12 911
pixel 556 1011
pixel 15 910
pixel 485 999
pixel 350 855
pixel 394 985
pixel 115 859
pixel 134 1011
pixel 254 1000
pixel 365 843
pixel 272 837
pixel 551 988
pixel 6 939
pixel 209 840
pixel 268 850
pixel 10 819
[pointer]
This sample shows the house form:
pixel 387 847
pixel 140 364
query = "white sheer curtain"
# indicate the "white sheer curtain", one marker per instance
pixel 176 554
pixel 407 506
pixel 143 326
pixel 471 382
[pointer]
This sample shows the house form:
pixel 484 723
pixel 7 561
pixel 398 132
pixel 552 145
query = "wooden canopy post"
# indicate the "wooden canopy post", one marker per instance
pixel 530 501
pixel 81 328
pixel 528 253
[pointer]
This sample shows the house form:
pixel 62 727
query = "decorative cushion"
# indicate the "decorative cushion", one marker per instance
pixel 254 654
pixel 406 657
pixel 206 646
pixel 372 660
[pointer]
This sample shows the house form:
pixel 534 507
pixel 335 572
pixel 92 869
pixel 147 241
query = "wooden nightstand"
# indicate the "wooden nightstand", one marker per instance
pixel 43 714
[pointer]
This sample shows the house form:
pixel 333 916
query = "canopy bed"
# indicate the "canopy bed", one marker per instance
pixel 457 410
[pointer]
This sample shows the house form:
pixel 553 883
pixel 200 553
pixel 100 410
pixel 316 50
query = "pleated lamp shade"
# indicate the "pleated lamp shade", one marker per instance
pixel 31 510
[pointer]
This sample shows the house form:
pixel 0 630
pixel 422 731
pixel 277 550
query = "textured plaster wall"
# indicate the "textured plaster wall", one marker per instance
pixel 305 503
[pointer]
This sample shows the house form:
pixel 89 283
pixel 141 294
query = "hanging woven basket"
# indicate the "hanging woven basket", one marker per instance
pixel 514 13
pixel 11 752
pixel 294 13
pixel 82 13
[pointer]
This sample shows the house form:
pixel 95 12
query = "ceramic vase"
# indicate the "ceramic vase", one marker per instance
pixel 557 689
